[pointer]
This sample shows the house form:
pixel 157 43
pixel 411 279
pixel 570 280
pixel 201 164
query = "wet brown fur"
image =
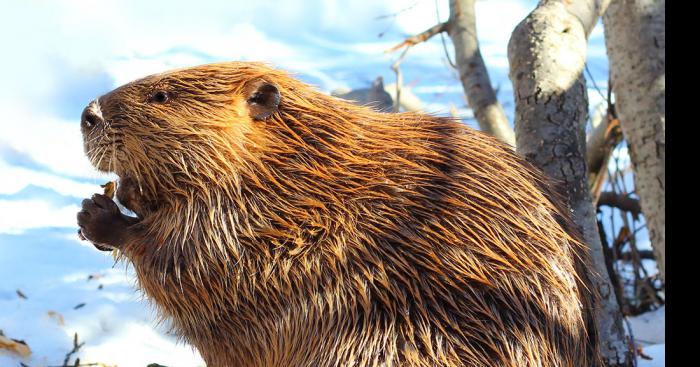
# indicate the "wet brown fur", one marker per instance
pixel 332 235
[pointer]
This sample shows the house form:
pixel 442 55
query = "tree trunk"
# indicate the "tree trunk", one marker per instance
pixel 547 52
pixel 472 71
pixel 635 38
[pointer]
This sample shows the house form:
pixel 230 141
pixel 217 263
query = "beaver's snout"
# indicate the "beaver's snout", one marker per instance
pixel 92 115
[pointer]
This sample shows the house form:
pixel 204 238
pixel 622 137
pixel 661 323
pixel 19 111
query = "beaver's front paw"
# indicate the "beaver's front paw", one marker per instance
pixel 101 222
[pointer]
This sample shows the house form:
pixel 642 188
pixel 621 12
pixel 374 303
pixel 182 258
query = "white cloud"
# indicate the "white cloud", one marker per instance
pixel 15 179
pixel 415 16
pixel 50 141
pixel 496 20
pixel 18 216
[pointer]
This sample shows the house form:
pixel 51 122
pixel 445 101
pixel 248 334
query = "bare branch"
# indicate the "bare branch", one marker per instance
pixel 399 79
pixel 640 255
pixel 475 79
pixel 76 347
pixel 472 71
pixel 622 202
pixel 421 37
pixel 601 142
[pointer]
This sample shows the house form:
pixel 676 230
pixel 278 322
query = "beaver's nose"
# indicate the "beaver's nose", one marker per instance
pixel 92 115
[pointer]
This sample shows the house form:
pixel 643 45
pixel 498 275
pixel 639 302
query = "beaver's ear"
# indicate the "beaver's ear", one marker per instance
pixel 263 99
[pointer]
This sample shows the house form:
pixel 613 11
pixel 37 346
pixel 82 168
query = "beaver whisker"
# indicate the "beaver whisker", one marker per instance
pixel 94 138
pixel 98 152
pixel 93 152
pixel 104 144
pixel 102 155
pixel 112 160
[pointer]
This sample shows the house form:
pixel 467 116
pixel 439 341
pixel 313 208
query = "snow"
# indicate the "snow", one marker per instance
pixel 117 326
pixel 649 327
pixel 649 331
pixel 60 55
pixel 656 353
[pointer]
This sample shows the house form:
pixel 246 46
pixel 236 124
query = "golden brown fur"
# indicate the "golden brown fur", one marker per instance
pixel 332 235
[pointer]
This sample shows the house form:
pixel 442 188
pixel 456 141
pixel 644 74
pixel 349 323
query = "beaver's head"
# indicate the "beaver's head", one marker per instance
pixel 188 126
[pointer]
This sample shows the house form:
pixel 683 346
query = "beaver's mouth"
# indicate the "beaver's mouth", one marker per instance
pixel 102 159
pixel 102 151
pixel 99 139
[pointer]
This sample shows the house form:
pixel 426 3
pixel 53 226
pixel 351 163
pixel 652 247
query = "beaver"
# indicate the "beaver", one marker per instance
pixel 280 226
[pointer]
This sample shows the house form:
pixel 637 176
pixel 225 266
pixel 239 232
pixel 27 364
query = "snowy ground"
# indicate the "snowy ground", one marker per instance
pixel 63 54
pixel 115 324
pixel 650 333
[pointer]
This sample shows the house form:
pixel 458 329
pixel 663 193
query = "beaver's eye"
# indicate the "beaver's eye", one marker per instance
pixel 160 97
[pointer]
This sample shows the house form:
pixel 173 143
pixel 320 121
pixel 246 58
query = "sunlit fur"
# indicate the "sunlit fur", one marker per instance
pixel 333 235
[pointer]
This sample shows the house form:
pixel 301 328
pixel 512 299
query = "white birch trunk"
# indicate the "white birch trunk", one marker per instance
pixel 547 52
pixel 473 74
pixel 635 38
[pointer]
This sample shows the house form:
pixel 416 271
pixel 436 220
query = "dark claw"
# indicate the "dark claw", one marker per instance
pixel 88 204
pixel 97 246
pixel 101 222
pixel 104 202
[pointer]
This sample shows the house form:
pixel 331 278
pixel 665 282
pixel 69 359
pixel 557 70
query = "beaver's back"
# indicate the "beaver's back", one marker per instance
pixel 460 243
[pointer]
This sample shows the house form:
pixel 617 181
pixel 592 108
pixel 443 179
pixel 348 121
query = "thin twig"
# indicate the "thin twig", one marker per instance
pixel 420 37
pixel 594 83
pixel 394 15
pixel 442 38
pixel 76 347
pixel 622 202
pixel 399 78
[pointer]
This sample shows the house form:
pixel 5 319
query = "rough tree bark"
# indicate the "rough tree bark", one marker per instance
pixel 547 52
pixel 472 71
pixel 635 38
